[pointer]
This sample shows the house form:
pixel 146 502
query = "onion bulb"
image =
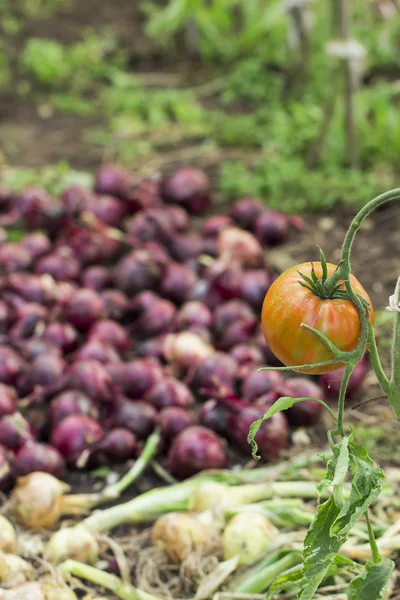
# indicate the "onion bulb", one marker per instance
pixel 14 570
pixel 45 589
pixel 37 500
pixel 76 543
pixel 180 534
pixel 8 537
pixel 186 350
pixel 248 535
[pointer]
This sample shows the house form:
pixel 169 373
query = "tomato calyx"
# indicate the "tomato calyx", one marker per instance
pixel 320 285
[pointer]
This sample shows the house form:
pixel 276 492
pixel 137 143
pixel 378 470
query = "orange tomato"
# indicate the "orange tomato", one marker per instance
pixel 287 305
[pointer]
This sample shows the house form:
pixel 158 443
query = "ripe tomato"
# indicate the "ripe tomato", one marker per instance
pixel 288 304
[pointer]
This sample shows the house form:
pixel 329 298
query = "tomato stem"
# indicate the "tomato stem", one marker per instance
pixel 394 384
pixel 376 557
pixel 376 361
pixel 342 396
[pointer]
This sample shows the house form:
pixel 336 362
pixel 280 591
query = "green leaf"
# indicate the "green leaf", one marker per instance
pixel 372 583
pixel 290 581
pixel 281 404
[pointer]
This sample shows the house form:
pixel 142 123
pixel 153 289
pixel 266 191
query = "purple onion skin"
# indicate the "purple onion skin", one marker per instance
pixel 215 416
pixel 152 348
pixel 177 283
pixel 32 288
pixel 5 316
pixel 254 286
pixel 44 370
pixel 169 392
pixel 184 247
pixel 108 209
pixel 150 226
pixel 76 199
pixel 214 225
pixel 37 244
pixel 258 383
pixel 117 446
pixel 14 257
pixel 83 308
pixel 245 212
pixel 71 402
pixel 11 366
pixel 239 332
pixel 34 347
pixel 92 378
pixel 307 413
pixel 140 195
pixel 31 317
pixel 230 312
pixel 8 399
pixel 173 420
pixel 15 431
pixel 97 350
pixel 135 378
pixel 195 449
pixel 246 353
pixel 96 278
pixel 158 319
pixel 217 371
pixel 62 335
pixel 61 268
pixel 271 228
pixel 272 437
pixel 331 382
pixel 112 333
pixel 115 303
pixel 269 356
pixel 139 417
pixel 110 179
pixel 6 476
pixel 178 218
pixel 137 272
pixel 35 456
pixel 75 434
pixel 203 332
pixel 189 188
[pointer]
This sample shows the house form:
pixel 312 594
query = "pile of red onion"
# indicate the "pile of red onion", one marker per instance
pixel 124 309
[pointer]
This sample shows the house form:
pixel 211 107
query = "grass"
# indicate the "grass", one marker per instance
pixel 251 112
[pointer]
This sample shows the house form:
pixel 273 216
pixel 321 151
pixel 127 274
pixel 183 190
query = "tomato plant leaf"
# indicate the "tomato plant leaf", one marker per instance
pixel 290 581
pixel 373 581
pixel 281 404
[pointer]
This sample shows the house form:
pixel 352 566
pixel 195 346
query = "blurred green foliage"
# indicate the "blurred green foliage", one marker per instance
pixel 257 101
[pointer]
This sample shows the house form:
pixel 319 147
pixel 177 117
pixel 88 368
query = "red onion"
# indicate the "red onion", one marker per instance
pixel 228 283
pixel 271 228
pixel 178 218
pixel 188 187
pixel 151 225
pixel 7 400
pixel 108 209
pixel 32 288
pixel 194 313
pixel 201 332
pixel 303 414
pixel 216 371
pixel 112 333
pixel 183 247
pixel 61 268
pixel 34 456
pixel 92 378
pixel 194 449
pixel 71 402
pixel 169 392
pixel 33 204
pixel 135 378
pixel 11 365
pixel 152 348
pixel 177 282
pixel 185 350
pixel 136 272
pixel 269 356
pixel 14 257
pixel 141 303
pixel 31 318
pixel 110 179
pixel 36 243
pixel 34 347
pixel 95 349
pixel 260 382
pixel 91 247
pixel 139 417
pixel 246 353
pixel 214 225
pixel 204 292
pixel 76 199
pixel 159 318
pixel 331 382
pixel 118 445
pixel 14 431
pixel 115 303
pixel 83 308
pixel 4 316
pixel 62 335
pixel 96 278
pixel 230 312
pixel 215 416
pixel 271 438
pixel 235 244
pixel 246 210
pixel 6 477
pixel 254 286
pixel 75 434
pixel 44 370
pixel 173 420
pixel 240 332
pixel 141 194
pixel 210 247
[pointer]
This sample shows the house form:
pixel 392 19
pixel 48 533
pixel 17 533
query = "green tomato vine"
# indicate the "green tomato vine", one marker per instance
pixel 340 512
